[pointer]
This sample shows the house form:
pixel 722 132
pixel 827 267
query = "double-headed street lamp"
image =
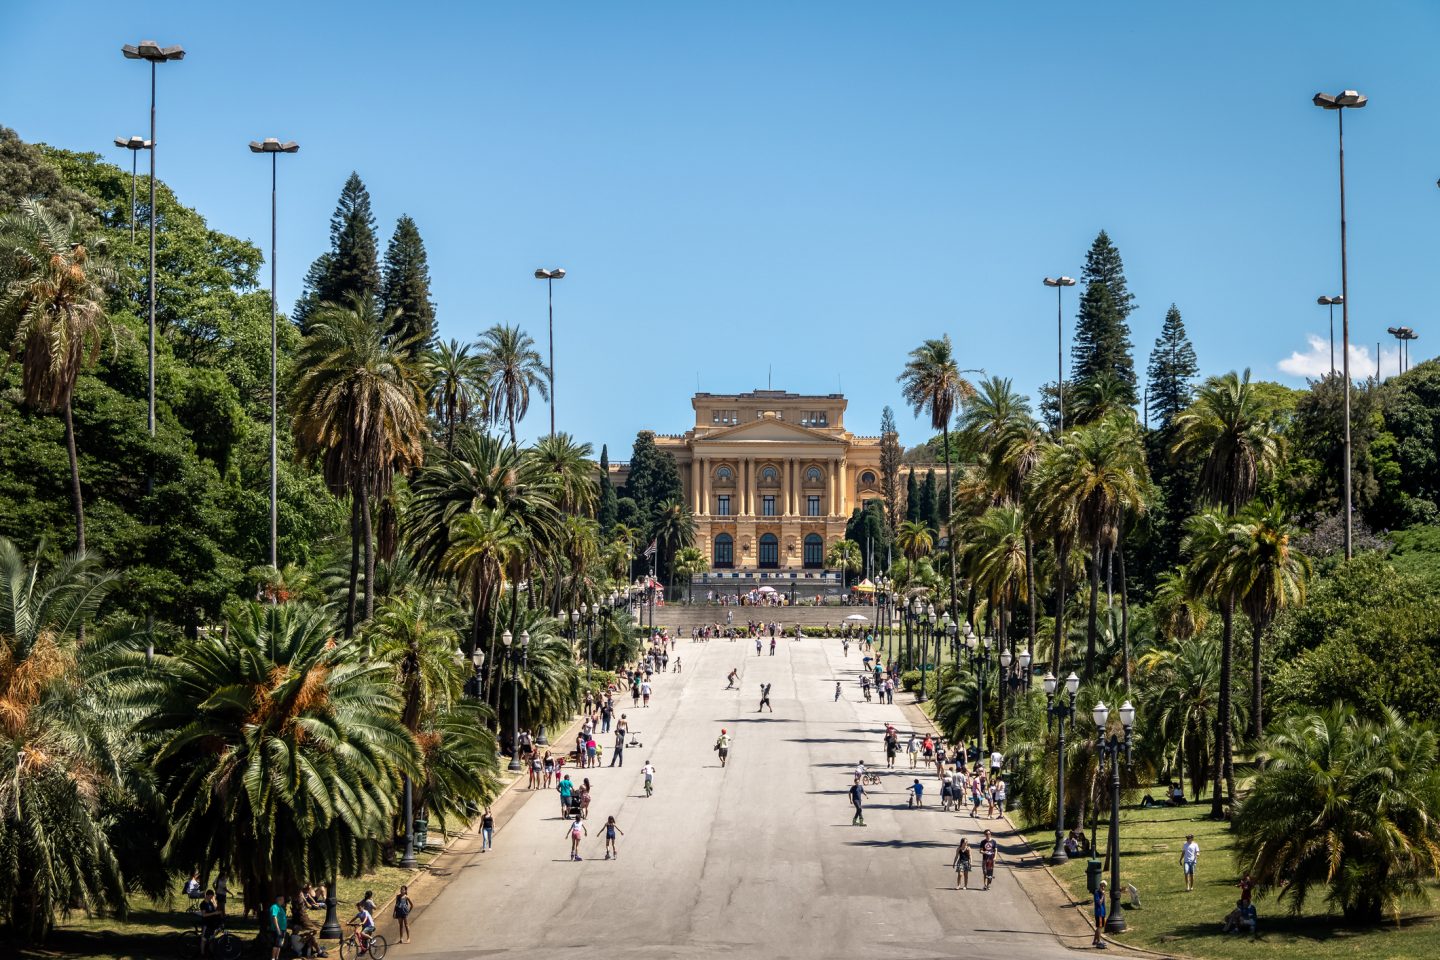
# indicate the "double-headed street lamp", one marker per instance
pixel 1060 283
pixel 519 662
pixel 1064 713
pixel 1114 749
pixel 274 148
pixel 1340 102
pixel 155 54
pixel 134 145
pixel 1403 336
pixel 927 625
pixel 979 648
pixel 1331 302
pixel 1012 677
pixel 550 276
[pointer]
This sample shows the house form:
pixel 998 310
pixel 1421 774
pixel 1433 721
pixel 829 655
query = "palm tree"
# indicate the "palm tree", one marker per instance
pixel 1177 612
pixel 359 410
pixel 931 382
pixel 277 750
pixel 1210 574
pixel 1100 469
pixel 998 567
pixel 62 745
pixel 1103 395
pixel 689 563
pixel 1227 431
pixel 457 385
pixel 514 368
pixel 52 318
pixel 1346 806
pixel 1269 574
pixel 569 462
pixel 914 539
pixel 1182 684
pixel 845 556
pixel 414 632
pixel 482 544
pixel 674 528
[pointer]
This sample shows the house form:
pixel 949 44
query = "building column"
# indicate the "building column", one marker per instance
pixel 844 489
pixel 704 497
pixel 832 502
pixel 744 486
pixel 785 510
pixel 694 484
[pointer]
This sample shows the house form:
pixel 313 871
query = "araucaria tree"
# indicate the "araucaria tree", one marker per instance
pixel 1102 336
pixel 1172 370
pixel 405 291
pixel 351 267
pixel 890 456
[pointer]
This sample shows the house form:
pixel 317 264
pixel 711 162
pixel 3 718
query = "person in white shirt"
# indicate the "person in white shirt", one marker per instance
pixel 1189 854
pixel 997 760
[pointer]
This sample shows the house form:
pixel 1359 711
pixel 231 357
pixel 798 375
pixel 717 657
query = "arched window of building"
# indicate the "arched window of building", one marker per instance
pixel 812 475
pixel 769 551
pixel 723 473
pixel 814 551
pixel 769 474
pixel 867 479
pixel 724 551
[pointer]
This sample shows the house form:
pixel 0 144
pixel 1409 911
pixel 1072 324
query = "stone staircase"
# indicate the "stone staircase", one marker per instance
pixel 688 616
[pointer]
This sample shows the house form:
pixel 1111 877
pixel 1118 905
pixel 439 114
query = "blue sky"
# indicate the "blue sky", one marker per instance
pixel 811 188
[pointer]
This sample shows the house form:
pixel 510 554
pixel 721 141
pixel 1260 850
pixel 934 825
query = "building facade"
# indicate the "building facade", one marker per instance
pixel 772 478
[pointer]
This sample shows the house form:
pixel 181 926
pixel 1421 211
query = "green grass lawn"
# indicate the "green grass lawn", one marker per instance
pixel 155 930
pixel 1171 920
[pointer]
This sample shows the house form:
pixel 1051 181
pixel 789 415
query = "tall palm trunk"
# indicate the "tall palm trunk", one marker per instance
pixel 1062 556
pixel 354 567
pixel 77 499
pixel 1030 600
pixel 1224 757
pixel 368 534
pixel 1124 618
pixel 949 506
pixel 1257 722
pixel 1094 610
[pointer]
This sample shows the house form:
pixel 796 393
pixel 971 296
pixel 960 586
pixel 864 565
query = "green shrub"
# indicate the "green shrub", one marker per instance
pixel 910 680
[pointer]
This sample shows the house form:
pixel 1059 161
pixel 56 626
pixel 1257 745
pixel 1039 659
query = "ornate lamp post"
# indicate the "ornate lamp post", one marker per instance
pixel 980 663
pixel 923 640
pixel 1012 679
pixel 587 615
pixel 1064 713
pixel 520 661
pixel 1112 749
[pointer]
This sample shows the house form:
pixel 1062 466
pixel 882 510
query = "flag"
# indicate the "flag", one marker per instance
pixel 650 550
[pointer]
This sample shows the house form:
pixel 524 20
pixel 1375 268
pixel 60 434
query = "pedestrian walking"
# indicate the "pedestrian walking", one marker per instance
pixel 988 849
pixel 999 791
pixel 837 690
pixel 764 698
pixel 857 798
pixel 1189 855
pixel 649 772
pixel 611 829
pixel 617 759
pixel 279 919
pixel 917 795
pixel 910 748
pixel 1099 901
pixel 845 646
pixel 487 830
pixel 566 789
pixel 645 693
pixel 403 906
pixel 757 646
pixel 962 865
pixel 576 830
pixel 772 644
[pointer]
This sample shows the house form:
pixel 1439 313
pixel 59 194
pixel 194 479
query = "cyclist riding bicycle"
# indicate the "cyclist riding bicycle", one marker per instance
pixel 364 924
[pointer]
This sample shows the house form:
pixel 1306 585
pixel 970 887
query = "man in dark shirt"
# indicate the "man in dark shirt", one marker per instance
pixel 987 858
pixel 857 797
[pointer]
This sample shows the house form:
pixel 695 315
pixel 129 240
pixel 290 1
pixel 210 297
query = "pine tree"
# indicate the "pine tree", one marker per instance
pixel 1102 338
pixel 1173 368
pixel 890 454
pixel 1103 265
pixel 654 477
pixel 352 265
pixel 607 505
pixel 912 497
pixel 1102 342
pixel 930 502
pixel 406 289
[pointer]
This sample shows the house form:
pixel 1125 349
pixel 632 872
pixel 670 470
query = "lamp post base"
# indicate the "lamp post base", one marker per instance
pixel 331 928
pixel 514 765
pixel 1116 921
pixel 540 740
pixel 1058 855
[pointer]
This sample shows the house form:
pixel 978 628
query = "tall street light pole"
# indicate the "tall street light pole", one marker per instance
pixel 550 276
pixel 1339 102
pixel 1117 750
pixel 134 145
pixel 274 147
pixel 1065 714
pixel 154 53
pixel 1060 283
pixel 1331 302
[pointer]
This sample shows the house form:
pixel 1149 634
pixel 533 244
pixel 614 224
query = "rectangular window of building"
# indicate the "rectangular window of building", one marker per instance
pixel 723 507
pixel 767 506
pixel 814 418
pixel 724 418
pixel 812 506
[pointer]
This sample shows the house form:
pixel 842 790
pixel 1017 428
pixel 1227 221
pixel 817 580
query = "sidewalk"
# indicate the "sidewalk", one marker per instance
pixel 1066 918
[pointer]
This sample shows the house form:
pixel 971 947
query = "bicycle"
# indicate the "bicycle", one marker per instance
pixel 871 779
pixel 375 947
pixel 224 945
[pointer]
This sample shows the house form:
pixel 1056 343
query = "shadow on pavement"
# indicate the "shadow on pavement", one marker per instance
pixel 899 844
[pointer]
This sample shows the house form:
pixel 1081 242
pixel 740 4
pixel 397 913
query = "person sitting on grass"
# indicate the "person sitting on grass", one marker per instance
pixel 1243 919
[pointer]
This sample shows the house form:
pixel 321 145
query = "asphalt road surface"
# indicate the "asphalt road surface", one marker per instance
pixel 755 860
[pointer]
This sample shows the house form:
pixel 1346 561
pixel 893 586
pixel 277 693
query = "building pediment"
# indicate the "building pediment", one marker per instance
pixel 769 429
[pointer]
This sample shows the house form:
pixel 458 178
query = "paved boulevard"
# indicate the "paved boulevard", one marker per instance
pixel 755 860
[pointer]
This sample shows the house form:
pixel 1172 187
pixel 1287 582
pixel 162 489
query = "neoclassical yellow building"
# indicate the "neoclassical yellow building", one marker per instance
pixel 771 477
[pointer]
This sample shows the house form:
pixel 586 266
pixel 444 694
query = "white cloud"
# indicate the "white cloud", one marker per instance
pixel 1314 363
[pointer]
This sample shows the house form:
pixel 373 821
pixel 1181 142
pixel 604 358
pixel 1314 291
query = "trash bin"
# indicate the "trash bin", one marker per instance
pixel 422 833
pixel 1093 869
